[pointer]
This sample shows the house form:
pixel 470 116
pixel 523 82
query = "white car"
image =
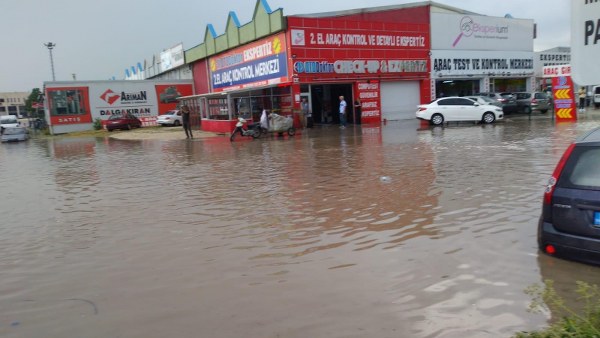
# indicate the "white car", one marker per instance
pixel 170 118
pixel 9 121
pixel 455 108
pixel 14 134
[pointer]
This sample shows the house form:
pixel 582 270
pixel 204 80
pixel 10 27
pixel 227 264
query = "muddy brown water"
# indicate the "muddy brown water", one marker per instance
pixel 398 231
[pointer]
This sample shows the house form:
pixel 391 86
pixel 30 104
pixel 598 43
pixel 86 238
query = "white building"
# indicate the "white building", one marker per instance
pixel 13 103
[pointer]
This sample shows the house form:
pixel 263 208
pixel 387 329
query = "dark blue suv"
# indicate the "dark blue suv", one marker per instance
pixel 569 226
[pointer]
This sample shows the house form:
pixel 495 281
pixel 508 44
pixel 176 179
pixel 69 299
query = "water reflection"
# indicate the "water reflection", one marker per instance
pixel 430 231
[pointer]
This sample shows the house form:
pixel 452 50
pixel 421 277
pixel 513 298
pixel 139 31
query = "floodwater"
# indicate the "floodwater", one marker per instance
pixel 391 231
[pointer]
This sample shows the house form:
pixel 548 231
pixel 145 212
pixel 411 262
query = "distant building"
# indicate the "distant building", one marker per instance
pixel 549 57
pixel 169 64
pixel 13 103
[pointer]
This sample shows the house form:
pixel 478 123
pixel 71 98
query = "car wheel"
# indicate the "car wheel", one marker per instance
pixel 488 118
pixel 291 131
pixel 527 110
pixel 437 119
pixel 109 130
pixel 176 123
pixel 128 127
pixel 544 111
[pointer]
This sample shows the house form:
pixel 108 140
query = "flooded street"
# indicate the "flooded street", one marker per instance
pixel 391 231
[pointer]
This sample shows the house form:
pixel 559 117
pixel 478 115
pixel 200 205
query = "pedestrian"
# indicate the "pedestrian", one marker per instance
pixel 581 98
pixel 305 112
pixel 357 111
pixel 264 120
pixel 185 120
pixel 342 112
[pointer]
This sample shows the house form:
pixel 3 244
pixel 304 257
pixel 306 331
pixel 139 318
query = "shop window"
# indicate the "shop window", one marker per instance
pixel 217 109
pixel 66 102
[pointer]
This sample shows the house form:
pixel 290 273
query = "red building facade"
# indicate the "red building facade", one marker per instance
pixel 378 60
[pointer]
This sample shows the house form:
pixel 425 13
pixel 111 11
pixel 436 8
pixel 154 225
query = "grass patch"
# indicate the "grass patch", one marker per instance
pixel 580 322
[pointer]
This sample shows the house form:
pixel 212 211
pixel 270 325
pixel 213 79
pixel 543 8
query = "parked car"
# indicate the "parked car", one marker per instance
pixel 596 96
pixel 170 118
pixel 127 121
pixel 569 224
pixel 454 108
pixel 535 101
pixel 507 99
pixel 485 100
pixel 9 121
pixel 14 134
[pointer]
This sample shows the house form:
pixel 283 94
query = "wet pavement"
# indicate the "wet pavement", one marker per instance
pixel 391 231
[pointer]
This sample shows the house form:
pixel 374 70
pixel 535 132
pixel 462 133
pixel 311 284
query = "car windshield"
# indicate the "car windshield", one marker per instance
pixel 14 131
pixel 9 121
pixel 582 169
pixel 116 117
pixel 482 98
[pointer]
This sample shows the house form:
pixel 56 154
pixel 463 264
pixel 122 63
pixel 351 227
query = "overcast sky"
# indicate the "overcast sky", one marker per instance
pixel 96 40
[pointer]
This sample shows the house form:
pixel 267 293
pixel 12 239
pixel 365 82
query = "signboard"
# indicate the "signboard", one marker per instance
pixel 563 98
pixel 476 32
pixel 585 41
pixel 168 95
pixel 341 38
pixel 257 64
pixel 171 58
pixel 120 98
pixel 562 91
pixel 481 63
pixel 558 70
pixel 326 49
pixel 543 59
pixel 69 105
pixel 369 95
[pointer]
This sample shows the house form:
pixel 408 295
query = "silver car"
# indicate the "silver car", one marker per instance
pixel 528 102
pixel 14 134
pixel 170 118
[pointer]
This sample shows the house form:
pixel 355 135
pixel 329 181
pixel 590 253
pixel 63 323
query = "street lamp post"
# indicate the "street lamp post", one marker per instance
pixel 50 46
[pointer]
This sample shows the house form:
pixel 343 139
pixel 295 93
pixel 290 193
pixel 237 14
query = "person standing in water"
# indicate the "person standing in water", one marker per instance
pixel 185 118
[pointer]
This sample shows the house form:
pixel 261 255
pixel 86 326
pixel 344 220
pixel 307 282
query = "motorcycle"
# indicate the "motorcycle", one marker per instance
pixel 253 130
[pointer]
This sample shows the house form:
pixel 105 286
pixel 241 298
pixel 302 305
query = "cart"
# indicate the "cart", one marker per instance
pixel 280 124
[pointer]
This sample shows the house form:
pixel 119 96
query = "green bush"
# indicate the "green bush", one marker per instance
pixel 572 322
pixel 97 124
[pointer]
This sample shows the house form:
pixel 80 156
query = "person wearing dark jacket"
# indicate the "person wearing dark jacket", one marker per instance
pixel 185 120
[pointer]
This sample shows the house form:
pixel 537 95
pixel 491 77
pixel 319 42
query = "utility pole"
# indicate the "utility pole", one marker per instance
pixel 50 46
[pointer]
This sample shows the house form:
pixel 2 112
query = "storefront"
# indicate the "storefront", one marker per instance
pixel 77 105
pixel 242 82
pixel 378 66
pixel 471 53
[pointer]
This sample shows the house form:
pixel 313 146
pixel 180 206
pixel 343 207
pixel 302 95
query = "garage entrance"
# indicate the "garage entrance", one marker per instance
pixel 399 100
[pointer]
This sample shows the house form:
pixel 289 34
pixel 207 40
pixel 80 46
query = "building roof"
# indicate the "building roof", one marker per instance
pixel 385 8
pixel 556 50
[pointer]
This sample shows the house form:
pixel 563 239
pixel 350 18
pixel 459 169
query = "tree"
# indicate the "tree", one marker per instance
pixel 34 97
